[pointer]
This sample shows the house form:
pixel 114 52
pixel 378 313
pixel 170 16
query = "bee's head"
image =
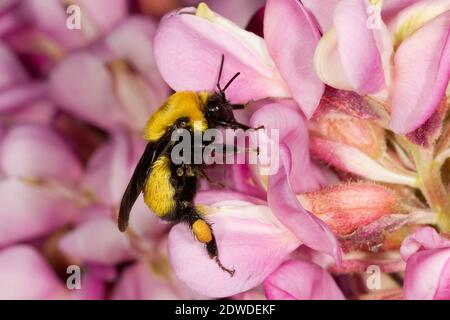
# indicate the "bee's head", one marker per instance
pixel 218 110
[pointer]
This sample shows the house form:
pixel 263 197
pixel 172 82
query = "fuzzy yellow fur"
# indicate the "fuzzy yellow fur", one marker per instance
pixel 181 104
pixel 158 192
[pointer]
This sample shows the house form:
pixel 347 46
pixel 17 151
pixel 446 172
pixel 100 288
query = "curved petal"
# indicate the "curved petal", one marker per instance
pixel 82 85
pixel 309 229
pixel 322 11
pixel 423 274
pixel 420 84
pixel 36 212
pixel 133 40
pixel 26 275
pixel 301 280
pixel 110 168
pixel 292 37
pixel 102 14
pixel 357 47
pixel 142 281
pixel 284 119
pixel 425 238
pixel 203 41
pixel 97 241
pixel 37 152
pixel 250 240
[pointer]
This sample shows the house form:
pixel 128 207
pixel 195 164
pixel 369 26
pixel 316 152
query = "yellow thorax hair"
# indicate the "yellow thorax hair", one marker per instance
pixel 179 105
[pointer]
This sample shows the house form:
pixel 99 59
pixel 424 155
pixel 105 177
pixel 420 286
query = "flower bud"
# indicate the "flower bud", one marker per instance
pixel 346 207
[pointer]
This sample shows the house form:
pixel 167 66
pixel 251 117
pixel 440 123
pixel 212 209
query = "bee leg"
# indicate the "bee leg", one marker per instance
pixel 203 233
pixel 238 106
pixel 211 247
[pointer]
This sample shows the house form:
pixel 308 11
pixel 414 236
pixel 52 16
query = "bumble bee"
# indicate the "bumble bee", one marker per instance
pixel 169 189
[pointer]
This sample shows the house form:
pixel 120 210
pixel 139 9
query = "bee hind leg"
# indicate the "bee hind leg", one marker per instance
pixel 203 233
pixel 211 247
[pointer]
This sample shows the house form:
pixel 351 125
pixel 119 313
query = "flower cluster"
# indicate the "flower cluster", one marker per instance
pixel 358 90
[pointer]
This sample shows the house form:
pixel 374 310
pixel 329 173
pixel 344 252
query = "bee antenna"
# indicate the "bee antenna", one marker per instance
pixel 231 81
pixel 220 73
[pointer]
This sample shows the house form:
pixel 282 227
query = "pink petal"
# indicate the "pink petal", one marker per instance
pixel 32 151
pixel 82 85
pixel 202 43
pixel 443 289
pixel 292 38
pixel 250 240
pixel 423 274
pixel 133 40
pixel 97 241
pixel 393 7
pixel 420 84
pixel 213 196
pixel 50 18
pixel 309 229
pixel 24 274
pixel 103 14
pixel 141 282
pixel 357 47
pixel 301 280
pixel 37 211
pixel 293 133
pixel 110 168
pixel 11 71
pixel 425 238
pixel 237 11
pixel 323 12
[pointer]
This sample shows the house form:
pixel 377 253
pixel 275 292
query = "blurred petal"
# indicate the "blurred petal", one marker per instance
pixel 250 240
pixel 322 11
pixel 37 152
pixel 141 281
pixel 357 47
pixel 110 169
pixel 24 274
pixel 97 241
pixel 292 37
pixel 309 229
pixel 102 14
pixel 36 212
pixel 420 84
pixel 84 76
pixel 203 41
pixel 133 40
pixel 301 280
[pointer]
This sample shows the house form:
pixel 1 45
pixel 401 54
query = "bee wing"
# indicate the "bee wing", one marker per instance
pixel 136 185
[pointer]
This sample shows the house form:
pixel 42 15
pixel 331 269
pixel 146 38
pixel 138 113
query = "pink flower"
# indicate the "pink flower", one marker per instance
pixel 281 65
pixel 377 55
pixel 37 164
pixel 16 88
pixel 26 275
pixel 115 82
pixel 39 29
pixel 427 274
pixel 301 280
